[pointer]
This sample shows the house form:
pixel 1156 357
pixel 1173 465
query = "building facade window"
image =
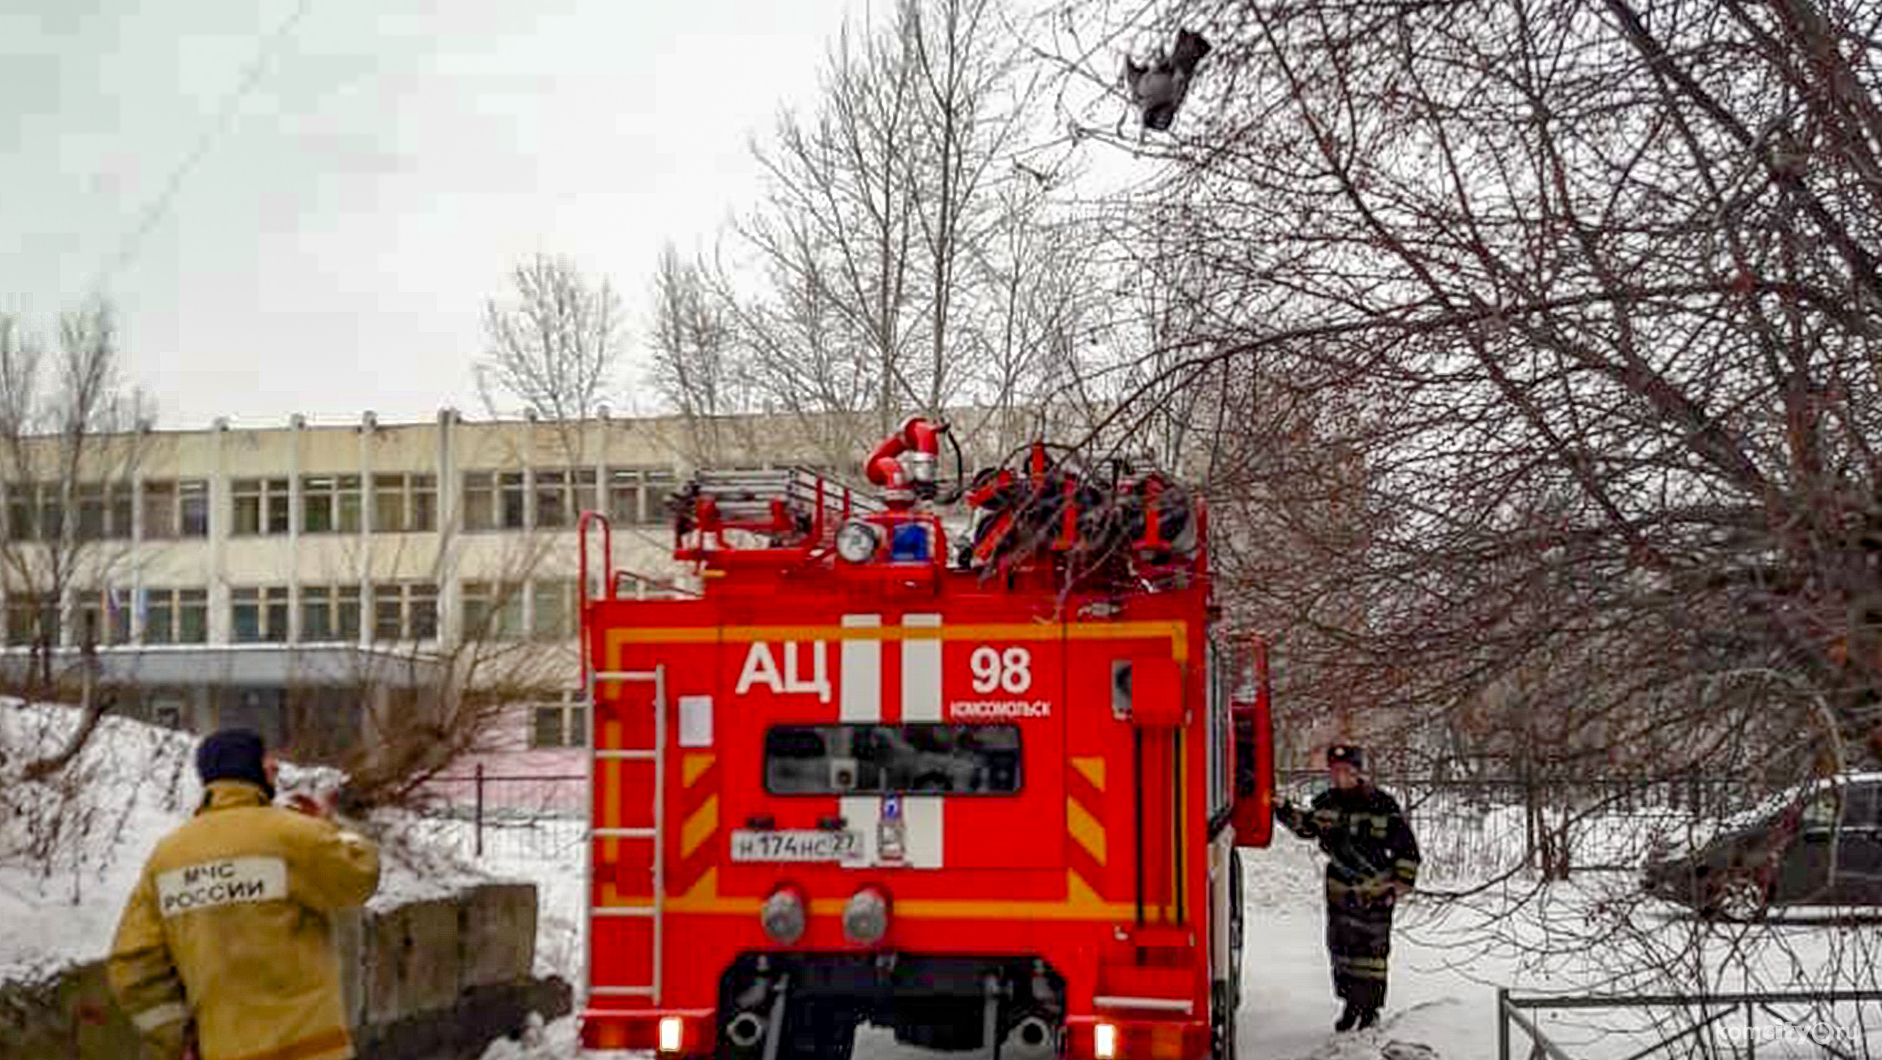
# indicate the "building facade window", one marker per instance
pixel 552 609
pixel 404 503
pixel 175 508
pixel 104 618
pixel 562 724
pixel 36 510
pixel 29 618
pixel 492 610
pixel 561 495
pixel 330 504
pixel 160 510
pixel 405 611
pixel 329 614
pixel 260 506
pixel 512 497
pixel 192 507
pixel 495 500
pixel 639 495
pixel 176 616
pixel 104 510
pixel 259 615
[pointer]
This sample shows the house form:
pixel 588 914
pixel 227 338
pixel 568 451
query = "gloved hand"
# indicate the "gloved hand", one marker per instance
pixel 301 802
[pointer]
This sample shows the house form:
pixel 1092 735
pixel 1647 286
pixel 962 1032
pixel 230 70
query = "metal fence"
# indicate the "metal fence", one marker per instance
pixel 507 817
pixel 1465 828
pixel 1708 1026
pixel 1468 828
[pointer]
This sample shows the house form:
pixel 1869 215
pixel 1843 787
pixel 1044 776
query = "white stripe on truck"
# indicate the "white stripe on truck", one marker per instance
pixel 921 701
pixel 859 699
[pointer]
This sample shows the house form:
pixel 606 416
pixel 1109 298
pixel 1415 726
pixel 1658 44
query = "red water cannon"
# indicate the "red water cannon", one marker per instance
pixel 904 464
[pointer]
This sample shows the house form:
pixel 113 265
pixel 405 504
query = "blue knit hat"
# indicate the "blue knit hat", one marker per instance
pixel 234 754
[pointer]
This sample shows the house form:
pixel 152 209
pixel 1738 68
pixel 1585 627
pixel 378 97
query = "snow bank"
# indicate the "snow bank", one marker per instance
pixel 71 849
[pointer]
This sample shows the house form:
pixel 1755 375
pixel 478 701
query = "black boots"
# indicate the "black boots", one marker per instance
pixel 1354 1016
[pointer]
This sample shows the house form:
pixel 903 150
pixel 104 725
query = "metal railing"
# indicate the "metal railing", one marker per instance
pixel 1468 828
pixel 522 817
pixel 1704 1030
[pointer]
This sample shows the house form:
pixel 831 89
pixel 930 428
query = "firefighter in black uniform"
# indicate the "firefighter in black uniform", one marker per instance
pixel 1372 862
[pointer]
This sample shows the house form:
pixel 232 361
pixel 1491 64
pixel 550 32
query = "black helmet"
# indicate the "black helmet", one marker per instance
pixel 1348 753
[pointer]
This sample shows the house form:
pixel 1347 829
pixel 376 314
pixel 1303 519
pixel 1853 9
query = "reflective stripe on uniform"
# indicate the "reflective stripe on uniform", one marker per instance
pixel 156 1016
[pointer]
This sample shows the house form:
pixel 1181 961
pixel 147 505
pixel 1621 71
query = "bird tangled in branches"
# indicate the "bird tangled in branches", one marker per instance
pixel 1158 89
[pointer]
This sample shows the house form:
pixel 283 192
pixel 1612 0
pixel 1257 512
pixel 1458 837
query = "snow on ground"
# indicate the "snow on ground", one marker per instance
pixel 60 896
pixel 61 891
pixel 1449 956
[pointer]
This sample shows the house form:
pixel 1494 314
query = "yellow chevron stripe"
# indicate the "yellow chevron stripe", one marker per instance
pixel 692 765
pixel 699 826
pixel 1085 828
pixel 1093 769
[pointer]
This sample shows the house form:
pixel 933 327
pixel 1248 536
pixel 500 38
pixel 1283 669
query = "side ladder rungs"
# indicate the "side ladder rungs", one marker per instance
pixel 630 754
pixel 627 675
pixel 648 910
pixel 620 991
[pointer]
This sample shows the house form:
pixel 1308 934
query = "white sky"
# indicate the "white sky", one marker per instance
pixel 330 251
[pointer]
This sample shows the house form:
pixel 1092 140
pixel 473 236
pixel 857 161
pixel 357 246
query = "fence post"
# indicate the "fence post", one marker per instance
pixel 1502 1023
pixel 478 817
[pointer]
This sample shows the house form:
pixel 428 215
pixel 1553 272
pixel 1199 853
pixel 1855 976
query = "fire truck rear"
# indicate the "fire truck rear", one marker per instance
pixel 978 794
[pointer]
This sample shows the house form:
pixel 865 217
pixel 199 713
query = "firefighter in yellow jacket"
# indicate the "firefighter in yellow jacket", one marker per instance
pixel 225 950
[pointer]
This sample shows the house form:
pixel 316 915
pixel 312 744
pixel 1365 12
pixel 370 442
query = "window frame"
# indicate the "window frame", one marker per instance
pixel 416 606
pixel 571 714
pixel 827 791
pixel 414 497
pixel 337 499
pixel 192 504
pixel 166 523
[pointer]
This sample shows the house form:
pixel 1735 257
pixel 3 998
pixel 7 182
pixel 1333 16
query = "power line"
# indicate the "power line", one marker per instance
pixel 133 241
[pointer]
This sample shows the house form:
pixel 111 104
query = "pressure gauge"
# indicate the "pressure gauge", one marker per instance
pixel 856 542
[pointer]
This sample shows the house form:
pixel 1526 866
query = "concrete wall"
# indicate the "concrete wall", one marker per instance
pixel 434 980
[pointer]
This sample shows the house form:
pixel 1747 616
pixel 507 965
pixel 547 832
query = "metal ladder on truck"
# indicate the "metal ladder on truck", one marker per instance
pixel 654 833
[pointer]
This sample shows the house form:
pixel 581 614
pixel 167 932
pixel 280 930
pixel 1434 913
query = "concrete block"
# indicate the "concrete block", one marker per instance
pixel 411 960
pixel 496 934
pixel 33 1022
pixel 69 1015
pixel 349 944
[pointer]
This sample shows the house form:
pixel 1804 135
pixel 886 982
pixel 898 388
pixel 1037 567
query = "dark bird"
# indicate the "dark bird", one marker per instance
pixel 1158 89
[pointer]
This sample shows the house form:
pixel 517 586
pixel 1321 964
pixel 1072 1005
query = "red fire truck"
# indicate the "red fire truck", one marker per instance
pixel 980 794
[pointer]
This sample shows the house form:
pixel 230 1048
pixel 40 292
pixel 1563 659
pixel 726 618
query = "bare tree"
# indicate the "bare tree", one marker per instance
pixel 1598 300
pixel 554 345
pixel 1543 337
pixel 68 453
pixel 696 366
pixel 877 276
pixel 429 701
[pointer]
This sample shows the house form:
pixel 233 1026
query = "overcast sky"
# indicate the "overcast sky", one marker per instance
pixel 330 250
